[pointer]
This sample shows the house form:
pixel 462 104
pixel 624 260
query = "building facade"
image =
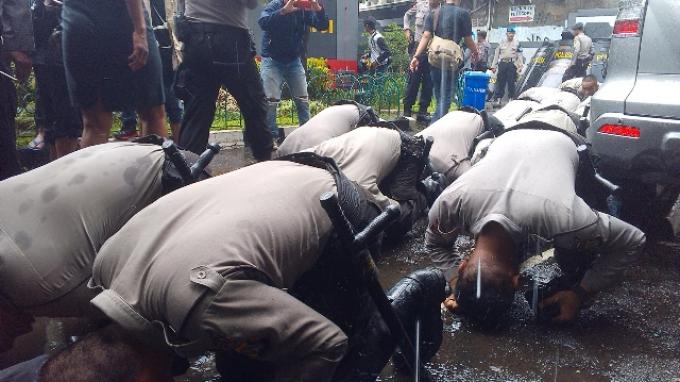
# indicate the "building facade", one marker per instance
pixel 534 20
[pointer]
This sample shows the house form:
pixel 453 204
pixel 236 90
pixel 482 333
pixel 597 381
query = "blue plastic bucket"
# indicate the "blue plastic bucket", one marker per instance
pixel 474 91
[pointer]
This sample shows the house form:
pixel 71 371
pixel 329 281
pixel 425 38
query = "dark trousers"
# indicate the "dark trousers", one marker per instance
pixel 506 75
pixel 480 66
pixel 60 118
pixel 419 79
pixel 9 165
pixel 217 56
pixel 577 69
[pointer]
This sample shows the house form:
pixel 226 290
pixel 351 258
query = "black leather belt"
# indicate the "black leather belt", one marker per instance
pixel 202 27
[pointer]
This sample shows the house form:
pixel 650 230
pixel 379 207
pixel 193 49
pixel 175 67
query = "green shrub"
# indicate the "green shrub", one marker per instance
pixel 318 80
pixel 396 41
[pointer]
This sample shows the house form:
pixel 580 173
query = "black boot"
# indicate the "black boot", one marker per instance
pixel 422 116
pixel 417 296
pixel 407 111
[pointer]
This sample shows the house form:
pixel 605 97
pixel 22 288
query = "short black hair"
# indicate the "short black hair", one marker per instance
pixel 589 77
pixel 488 305
pixel 370 22
pixel 577 26
pixel 481 34
pixel 107 355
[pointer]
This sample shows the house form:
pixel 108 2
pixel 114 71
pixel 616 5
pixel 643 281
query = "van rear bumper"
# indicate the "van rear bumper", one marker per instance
pixel 653 157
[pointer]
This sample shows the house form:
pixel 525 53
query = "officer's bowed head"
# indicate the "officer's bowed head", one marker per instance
pixel 487 279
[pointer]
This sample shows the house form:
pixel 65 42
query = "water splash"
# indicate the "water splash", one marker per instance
pixel 557 362
pixel 534 298
pixel 479 278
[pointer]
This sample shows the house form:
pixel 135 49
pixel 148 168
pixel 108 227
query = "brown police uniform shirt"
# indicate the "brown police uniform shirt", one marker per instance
pixel 54 219
pixel 552 117
pixel 538 93
pixel 453 136
pixel 416 15
pixel 533 116
pixel 564 99
pixel 507 50
pixel 329 123
pixel 574 84
pixel 365 155
pixel 552 96
pixel 526 184
pixel 514 110
pixel 265 217
pixel 583 47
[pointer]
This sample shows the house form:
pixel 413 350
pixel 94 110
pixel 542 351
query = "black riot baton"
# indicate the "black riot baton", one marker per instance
pixel 357 245
pixel 490 131
pixel 429 141
pixel 189 174
pixel 204 159
pixel 177 160
pixel 587 160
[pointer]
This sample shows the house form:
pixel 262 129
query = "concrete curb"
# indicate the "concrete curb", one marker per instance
pixel 234 138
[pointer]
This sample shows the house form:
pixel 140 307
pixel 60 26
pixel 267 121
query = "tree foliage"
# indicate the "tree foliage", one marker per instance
pixel 394 36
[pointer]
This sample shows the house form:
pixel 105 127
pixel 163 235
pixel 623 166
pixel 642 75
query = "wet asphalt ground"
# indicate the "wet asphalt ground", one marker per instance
pixel 629 334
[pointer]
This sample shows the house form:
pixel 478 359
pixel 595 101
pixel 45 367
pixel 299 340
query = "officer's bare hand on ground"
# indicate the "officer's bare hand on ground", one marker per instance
pixel 450 302
pixel 140 51
pixel 569 305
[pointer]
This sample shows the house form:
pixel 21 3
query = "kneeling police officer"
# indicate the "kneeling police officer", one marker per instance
pixel 331 122
pixel 526 185
pixel 210 267
pixel 55 219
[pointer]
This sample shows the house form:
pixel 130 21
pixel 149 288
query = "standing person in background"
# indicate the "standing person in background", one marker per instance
pixel 112 64
pixel 17 43
pixel 421 77
pixel 583 54
pixel 285 25
pixel 218 51
pixel 173 108
pixel 484 49
pixel 62 122
pixel 379 54
pixel 507 61
pixel 451 23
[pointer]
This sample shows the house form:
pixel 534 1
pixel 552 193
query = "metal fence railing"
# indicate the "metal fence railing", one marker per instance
pixel 383 92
